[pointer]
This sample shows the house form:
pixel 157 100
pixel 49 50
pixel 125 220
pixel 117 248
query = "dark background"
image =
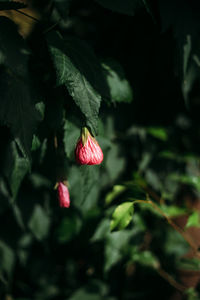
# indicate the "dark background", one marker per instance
pixel 151 148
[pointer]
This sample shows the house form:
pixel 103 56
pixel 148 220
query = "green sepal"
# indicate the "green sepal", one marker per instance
pixel 84 135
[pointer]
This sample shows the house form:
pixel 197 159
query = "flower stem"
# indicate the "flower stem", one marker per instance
pixel 184 234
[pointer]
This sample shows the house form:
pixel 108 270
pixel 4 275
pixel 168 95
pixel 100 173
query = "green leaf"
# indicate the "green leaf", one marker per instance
pixel 183 21
pixel 62 7
pixel 116 243
pixel 6 258
pixel 35 143
pixel 79 70
pixel 102 231
pixel 17 108
pixel 148 6
pixel 190 69
pixel 175 244
pixel 159 133
pixel 93 290
pixel 7 5
pixel 145 258
pixel 17 111
pixel 40 107
pixel 71 135
pixel 85 295
pixel 112 256
pixel 193 220
pixel 120 89
pixel 191 294
pixel 15 168
pixel 186 54
pixel 117 190
pixel 186 179
pixel 122 216
pixel 68 228
pixel 114 162
pixel 18 216
pixel 185 25
pixel 188 264
pixel 173 210
pixel 39 223
pixel 128 7
pixel 39 181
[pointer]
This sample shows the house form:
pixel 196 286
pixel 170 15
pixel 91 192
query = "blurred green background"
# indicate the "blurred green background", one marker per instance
pixel 105 246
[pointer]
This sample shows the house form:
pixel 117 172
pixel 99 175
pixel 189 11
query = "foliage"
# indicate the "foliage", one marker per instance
pixel 129 71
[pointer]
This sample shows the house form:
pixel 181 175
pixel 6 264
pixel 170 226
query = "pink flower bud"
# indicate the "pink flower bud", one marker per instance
pixel 88 151
pixel 63 195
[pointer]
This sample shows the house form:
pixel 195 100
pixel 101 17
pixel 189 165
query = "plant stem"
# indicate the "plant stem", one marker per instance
pixel 186 237
pixel 171 280
pixel 28 16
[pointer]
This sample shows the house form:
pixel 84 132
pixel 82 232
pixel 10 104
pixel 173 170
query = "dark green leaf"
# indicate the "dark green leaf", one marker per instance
pixel 102 231
pixel 79 70
pixel 16 109
pixel 68 228
pixel 186 54
pixel 35 143
pixel 183 18
pixel 175 244
pixel 189 264
pixel 6 258
pixel 114 162
pixel 120 89
pixel 62 7
pixel 15 168
pixel 18 216
pixel 145 258
pixel 116 242
pixel 7 5
pixel 71 135
pixel 39 223
pixel 128 7
pixel 190 69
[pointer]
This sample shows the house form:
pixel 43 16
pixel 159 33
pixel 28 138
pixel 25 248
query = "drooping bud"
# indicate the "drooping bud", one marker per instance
pixel 63 195
pixel 88 151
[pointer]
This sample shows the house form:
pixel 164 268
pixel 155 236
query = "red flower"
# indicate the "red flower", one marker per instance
pixel 88 151
pixel 63 195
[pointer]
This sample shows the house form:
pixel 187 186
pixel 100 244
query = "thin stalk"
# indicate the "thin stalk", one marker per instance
pixel 27 15
pixel 186 237
pixel 181 288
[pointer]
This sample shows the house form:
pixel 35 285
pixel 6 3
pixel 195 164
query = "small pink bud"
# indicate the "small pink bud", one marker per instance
pixel 88 151
pixel 63 195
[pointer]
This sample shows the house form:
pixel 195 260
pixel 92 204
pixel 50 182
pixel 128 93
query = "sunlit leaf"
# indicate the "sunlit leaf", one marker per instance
pixel 159 133
pixel 193 220
pixel 117 190
pixel 122 216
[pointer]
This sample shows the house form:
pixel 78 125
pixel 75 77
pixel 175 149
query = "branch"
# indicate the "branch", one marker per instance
pixel 28 16
pixel 186 237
